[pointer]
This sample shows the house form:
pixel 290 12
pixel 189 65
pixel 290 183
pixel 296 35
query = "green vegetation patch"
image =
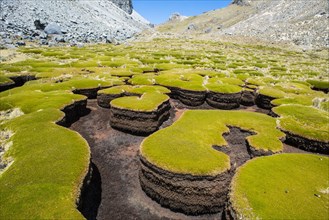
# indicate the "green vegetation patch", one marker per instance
pixel 116 90
pixel 191 81
pixel 147 102
pixel 186 146
pixel 271 92
pixel 319 84
pixel 294 99
pixel 5 80
pixel 223 88
pixel 49 161
pixel 284 186
pixel 305 121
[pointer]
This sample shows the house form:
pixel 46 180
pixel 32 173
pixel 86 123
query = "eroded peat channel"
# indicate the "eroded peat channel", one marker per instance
pixel 115 154
pixel 115 192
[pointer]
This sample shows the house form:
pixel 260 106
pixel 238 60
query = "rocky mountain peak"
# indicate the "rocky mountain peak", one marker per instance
pixel 125 5
pixel 177 17
pixel 241 2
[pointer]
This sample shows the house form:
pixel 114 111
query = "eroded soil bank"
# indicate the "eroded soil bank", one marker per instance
pixel 115 154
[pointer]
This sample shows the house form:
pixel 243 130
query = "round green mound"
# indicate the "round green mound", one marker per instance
pixel 285 186
pixel 304 121
pixel 186 147
pixel 147 102
pixel 224 88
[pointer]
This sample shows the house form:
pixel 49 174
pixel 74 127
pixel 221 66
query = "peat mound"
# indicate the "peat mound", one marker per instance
pixel 190 97
pixel 223 100
pixel 254 192
pixel 305 127
pixel 192 195
pixel 180 173
pixel 137 121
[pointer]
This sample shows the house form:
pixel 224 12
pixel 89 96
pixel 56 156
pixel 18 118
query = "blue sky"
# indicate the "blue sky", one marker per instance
pixel 158 11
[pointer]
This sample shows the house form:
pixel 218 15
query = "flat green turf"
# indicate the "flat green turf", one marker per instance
pixel 49 165
pixel 304 121
pixel 148 102
pixel 186 146
pixel 284 186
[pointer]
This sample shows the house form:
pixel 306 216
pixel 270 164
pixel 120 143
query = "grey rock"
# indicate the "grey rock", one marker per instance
pixel 20 43
pixel 177 17
pixel 53 28
pixel 8 41
pixel 125 5
pixel 43 35
pixel 43 42
pixel 59 38
pixel 80 45
pixel 52 43
pixel 241 2
pixel 208 30
pixel 39 25
pixel 191 27
pixel 9 46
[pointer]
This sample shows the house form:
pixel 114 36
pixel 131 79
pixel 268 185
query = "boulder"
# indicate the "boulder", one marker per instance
pixel 53 28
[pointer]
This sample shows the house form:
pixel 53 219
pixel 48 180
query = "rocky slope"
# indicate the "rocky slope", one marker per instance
pixel 304 23
pixel 69 21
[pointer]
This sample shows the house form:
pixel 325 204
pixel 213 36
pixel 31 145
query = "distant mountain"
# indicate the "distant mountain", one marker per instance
pixel 305 23
pixel 70 20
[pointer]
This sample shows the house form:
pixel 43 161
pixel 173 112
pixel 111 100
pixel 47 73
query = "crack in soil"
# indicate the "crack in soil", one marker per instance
pixel 237 148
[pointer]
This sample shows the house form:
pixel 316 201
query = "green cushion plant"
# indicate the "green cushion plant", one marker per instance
pixel 186 146
pixel 305 121
pixel 49 161
pixel 284 186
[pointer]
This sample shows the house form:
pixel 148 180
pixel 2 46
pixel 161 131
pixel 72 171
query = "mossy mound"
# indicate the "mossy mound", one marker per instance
pixel 223 88
pixel 322 85
pixel 141 110
pixel 6 83
pixel 181 168
pixel 266 94
pixel 148 102
pixel 105 96
pixel 144 79
pixel 186 146
pixel 28 188
pixel 306 127
pixel 223 96
pixel 285 186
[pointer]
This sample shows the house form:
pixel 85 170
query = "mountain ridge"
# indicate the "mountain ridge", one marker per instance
pixel 301 23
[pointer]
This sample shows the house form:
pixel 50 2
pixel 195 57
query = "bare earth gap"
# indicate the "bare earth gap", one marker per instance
pixel 115 155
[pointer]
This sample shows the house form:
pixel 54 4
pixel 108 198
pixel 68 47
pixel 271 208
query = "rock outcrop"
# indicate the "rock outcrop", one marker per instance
pixel 241 2
pixel 125 5
pixel 75 21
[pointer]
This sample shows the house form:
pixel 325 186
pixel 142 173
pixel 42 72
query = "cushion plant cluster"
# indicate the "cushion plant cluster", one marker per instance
pixel 141 98
pixel 284 186
pixel 186 147
pixel 49 162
